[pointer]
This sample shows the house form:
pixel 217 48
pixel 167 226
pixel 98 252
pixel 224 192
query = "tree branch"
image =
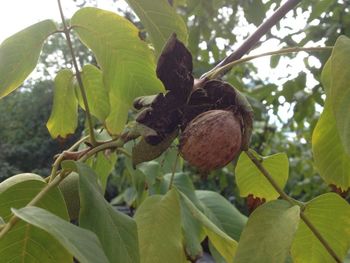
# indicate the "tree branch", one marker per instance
pixel 255 37
pixel 225 68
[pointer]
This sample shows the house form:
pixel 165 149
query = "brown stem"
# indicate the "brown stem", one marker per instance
pixel 255 37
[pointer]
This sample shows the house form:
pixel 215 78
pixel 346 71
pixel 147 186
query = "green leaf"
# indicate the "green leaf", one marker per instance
pixel 64 114
pixel 151 170
pixel 24 241
pixel 224 244
pixel 83 244
pixel 103 165
pixel 116 231
pixel 160 20
pixel 222 213
pixel 193 232
pixel 159 226
pixel 127 63
pixel 254 11
pixel 192 228
pixel 318 8
pixel 274 60
pixel 251 181
pixel 19 54
pixel 96 92
pixel 330 157
pixel 143 151
pixel 269 233
pixel 330 214
pixel 339 91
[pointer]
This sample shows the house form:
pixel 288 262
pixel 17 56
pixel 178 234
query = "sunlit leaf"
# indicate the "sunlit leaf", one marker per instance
pixel 96 93
pixel 160 20
pixel 330 157
pixel 64 113
pixel 331 160
pixel 19 54
pixel 339 90
pixel 330 214
pixel 268 234
pixel 116 231
pixel 159 226
pixel 24 241
pixel 81 243
pixel 127 63
pixel 251 181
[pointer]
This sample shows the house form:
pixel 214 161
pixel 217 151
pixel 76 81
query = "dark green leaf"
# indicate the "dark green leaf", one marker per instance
pixel 143 151
pixel 222 213
pixel 224 244
pixel 116 231
pixel 83 244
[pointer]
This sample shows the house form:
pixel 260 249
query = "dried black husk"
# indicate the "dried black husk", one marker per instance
pixel 164 113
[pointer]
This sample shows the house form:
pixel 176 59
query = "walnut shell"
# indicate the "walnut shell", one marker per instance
pixel 212 140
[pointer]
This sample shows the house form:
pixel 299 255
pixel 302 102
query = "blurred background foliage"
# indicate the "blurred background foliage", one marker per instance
pixel 286 107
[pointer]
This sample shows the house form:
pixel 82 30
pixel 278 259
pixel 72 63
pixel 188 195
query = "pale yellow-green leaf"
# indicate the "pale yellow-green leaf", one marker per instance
pixel 96 93
pixel 330 157
pixel 127 63
pixel 159 226
pixel 64 113
pixel 19 54
pixel 25 242
pixel 269 233
pixel 331 160
pixel 330 214
pixel 339 91
pixel 251 181
pixel 160 20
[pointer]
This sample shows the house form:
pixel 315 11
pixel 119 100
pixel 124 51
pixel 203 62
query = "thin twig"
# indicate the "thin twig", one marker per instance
pixel 77 73
pixel 255 37
pixel 219 71
pixel 307 222
pixel 58 161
